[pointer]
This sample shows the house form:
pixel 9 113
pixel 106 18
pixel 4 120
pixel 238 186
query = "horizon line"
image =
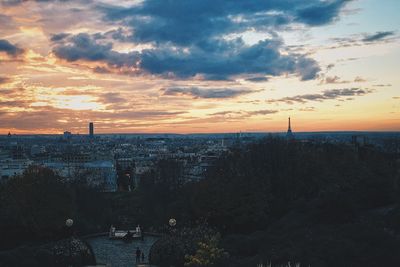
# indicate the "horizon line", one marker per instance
pixel 210 133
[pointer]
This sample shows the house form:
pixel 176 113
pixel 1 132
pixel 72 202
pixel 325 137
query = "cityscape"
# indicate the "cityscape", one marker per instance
pixel 199 133
pixel 116 162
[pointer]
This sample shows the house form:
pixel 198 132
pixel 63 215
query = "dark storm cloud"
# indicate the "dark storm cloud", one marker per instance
pixel 215 61
pixel 83 47
pixel 58 37
pixel 188 37
pixel 228 59
pixel 185 22
pixel 197 92
pixel 325 95
pixel 319 12
pixel 377 36
pixel 9 48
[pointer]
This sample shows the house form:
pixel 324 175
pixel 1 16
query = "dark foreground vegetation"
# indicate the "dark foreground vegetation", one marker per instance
pixel 274 201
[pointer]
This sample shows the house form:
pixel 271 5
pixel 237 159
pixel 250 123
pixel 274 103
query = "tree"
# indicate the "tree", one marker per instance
pixel 35 205
pixel 208 253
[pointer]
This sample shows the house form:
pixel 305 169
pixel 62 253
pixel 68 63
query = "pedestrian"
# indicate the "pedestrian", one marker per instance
pixel 142 256
pixel 138 254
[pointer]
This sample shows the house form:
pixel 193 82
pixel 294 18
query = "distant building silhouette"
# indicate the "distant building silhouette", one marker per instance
pixel 67 135
pixel 289 134
pixel 91 130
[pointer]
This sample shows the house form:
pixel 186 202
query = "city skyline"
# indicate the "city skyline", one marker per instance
pixel 199 66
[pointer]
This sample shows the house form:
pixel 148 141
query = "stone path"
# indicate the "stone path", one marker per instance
pixel 118 253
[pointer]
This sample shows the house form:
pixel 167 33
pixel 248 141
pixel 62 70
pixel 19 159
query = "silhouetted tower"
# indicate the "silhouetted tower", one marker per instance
pixel 91 130
pixel 289 134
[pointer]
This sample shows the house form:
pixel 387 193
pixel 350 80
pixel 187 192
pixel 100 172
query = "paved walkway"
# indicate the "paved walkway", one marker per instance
pixel 118 253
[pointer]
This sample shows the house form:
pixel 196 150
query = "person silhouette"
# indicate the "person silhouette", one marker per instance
pixel 138 254
pixel 142 256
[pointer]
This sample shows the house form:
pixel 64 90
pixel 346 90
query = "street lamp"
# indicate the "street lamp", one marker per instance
pixel 68 223
pixel 172 222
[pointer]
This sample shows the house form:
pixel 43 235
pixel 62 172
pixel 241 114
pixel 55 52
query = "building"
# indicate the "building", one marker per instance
pixel 101 174
pixel 91 130
pixel 289 134
pixel 67 135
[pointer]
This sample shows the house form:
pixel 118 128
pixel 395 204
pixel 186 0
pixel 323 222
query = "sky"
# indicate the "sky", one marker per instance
pixel 199 66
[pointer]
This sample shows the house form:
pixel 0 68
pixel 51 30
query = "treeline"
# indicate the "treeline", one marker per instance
pixel 318 204
pixel 34 207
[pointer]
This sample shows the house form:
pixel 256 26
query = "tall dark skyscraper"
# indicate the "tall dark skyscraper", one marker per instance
pixel 289 134
pixel 91 130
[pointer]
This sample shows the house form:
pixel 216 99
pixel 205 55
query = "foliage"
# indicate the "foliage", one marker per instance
pixel 250 188
pixel 63 253
pixel 186 243
pixel 35 205
pixel 207 254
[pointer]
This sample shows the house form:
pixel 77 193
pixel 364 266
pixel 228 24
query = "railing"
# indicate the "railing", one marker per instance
pixel 108 233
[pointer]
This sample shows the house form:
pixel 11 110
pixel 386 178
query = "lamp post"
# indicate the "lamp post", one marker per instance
pixel 68 223
pixel 172 224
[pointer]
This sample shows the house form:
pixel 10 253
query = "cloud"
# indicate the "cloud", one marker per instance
pixel 334 79
pixel 307 109
pixel 330 66
pixel 14 103
pixel 325 95
pixel 83 47
pixel 4 80
pixel 9 48
pixel 176 21
pixel 218 61
pixel 359 79
pixel 59 37
pixel 189 38
pixel 197 92
pixel 18 2
pixel 111 98
pixel 262 112
pixel 362 39
pixel 377 36
pixel 239 114
pixel 257 79
pixel 51 118
pixel 337 80
pixel 383 85
pixel 320 12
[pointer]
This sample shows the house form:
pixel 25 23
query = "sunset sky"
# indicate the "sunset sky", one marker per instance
pixel 191 66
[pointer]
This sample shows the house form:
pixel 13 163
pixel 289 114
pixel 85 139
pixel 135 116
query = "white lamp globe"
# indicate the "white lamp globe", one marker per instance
pixel 172 222
pixel 69 222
